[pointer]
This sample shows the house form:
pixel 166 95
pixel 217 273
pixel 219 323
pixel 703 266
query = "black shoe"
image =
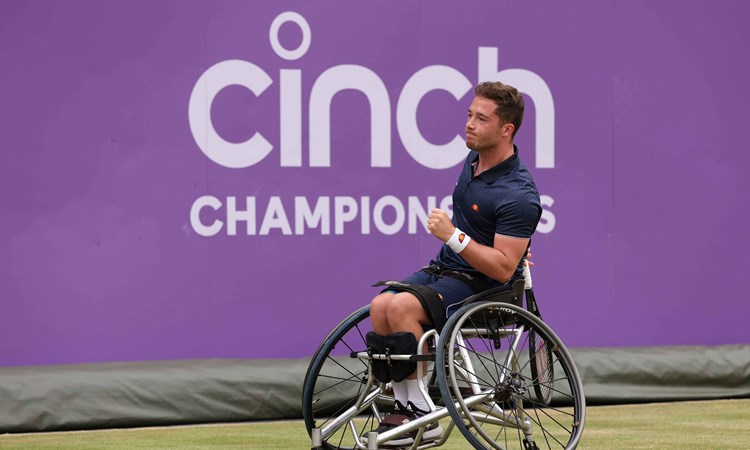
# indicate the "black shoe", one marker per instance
pixel 401 416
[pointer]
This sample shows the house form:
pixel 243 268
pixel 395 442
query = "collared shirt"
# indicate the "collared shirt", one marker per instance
pixel 501 200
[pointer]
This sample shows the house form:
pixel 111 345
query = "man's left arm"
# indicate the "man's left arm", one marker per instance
pixel 498 262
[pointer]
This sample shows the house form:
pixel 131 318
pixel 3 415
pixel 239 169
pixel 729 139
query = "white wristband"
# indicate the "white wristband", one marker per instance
pixel 458 241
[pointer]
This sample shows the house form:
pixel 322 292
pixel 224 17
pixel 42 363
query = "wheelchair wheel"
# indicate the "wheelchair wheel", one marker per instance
pixel 335 381
pixel 486 380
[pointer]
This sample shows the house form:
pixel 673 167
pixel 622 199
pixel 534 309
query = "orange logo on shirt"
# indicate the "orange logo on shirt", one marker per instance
pixel 475 207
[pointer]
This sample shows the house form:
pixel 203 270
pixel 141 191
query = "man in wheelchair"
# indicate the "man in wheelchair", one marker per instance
pixel 496 208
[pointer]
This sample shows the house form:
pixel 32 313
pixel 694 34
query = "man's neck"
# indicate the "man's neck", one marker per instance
pixel 490 158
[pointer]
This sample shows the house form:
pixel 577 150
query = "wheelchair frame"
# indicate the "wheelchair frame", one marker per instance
pixel 483 380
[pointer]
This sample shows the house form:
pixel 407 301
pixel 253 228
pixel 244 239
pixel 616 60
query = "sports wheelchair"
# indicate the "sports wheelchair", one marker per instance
pixel 496 372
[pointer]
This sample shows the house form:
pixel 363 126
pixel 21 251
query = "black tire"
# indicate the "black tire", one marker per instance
pixel 499 409
pixel 334 381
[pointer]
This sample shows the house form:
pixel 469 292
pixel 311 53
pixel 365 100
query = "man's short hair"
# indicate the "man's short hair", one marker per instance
pixel 509 102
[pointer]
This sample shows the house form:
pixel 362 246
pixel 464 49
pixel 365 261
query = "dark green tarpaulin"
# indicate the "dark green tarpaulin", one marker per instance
pixel 87 396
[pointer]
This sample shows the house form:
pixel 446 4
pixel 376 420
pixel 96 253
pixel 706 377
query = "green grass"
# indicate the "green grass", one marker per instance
pixel 716 425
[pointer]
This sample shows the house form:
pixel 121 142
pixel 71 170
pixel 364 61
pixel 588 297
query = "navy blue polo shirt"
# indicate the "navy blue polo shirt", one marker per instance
pixel 502 200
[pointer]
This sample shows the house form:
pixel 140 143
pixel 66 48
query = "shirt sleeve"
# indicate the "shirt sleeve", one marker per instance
pixel 518 217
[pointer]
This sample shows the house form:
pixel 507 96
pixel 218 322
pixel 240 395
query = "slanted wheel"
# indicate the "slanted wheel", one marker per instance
pixel 334 382
pixel 486 381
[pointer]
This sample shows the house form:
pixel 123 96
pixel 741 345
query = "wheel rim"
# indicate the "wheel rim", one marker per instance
pixel 334 380
pixel 508 386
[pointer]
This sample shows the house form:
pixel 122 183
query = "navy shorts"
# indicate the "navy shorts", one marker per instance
pixel 451 290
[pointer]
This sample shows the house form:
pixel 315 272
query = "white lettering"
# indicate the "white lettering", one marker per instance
pixel 328 84
pixel 434 156
pixel 447 205
pixel 418 214
pixel 216 78
pixel 320 216
pixel 273 35
pixel 412 212
pixel 363 79
pixel 235 215
pixel 365 215
pixel 195 218
pixel 547 221
pixel 275 218
pixel 344 210
pixel 290 118
pixel 534 86
pixel 377 215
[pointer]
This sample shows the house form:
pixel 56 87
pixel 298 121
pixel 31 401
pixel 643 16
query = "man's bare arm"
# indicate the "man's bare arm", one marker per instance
pixel 498 262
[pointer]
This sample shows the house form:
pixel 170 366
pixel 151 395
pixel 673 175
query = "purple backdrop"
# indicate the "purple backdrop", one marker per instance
pixel 133 167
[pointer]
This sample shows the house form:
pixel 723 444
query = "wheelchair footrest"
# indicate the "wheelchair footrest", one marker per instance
pixel 382 356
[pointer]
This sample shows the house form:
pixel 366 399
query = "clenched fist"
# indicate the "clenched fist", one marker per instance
pixel 439 224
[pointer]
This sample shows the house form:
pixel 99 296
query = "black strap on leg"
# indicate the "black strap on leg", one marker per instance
pixel 428 297
pixel 401 344
pixel 376 344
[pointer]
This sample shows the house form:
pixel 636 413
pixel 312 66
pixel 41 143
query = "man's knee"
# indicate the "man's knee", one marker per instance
pixel 405 306
pixel 379 304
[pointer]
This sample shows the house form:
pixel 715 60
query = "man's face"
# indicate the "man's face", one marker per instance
pixel 483 127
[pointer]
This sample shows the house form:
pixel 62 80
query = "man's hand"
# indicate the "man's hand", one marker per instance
pixel 527 261
pixel 439 224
